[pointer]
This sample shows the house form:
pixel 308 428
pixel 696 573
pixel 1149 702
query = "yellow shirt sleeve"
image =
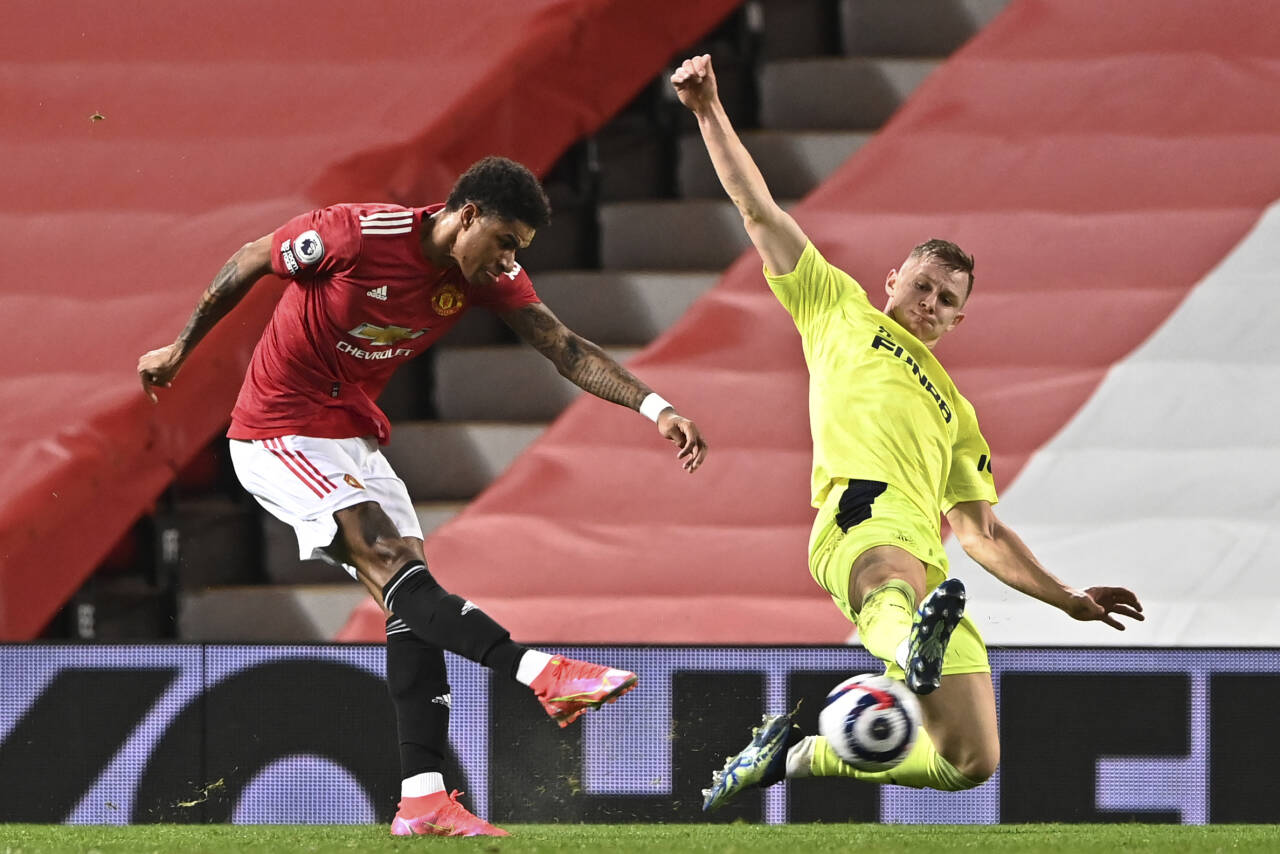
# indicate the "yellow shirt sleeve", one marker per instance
pixel 812 288
pixel 970 477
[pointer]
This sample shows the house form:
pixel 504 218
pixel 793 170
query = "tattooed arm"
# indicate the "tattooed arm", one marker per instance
pixel 157 368
pixel 591 369
pixel 578 360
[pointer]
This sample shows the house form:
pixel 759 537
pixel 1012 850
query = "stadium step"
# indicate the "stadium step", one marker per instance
pixel 912 27
pixel 696 234
pixel 479 328
pixel 795 28
pixel 625 308
pixel 613 308
pixel 267 613
pixel 453 461
pixel 794 161
pixel 510 383
pixel 838 93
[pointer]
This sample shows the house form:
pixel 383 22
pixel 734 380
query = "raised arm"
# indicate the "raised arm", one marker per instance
pixel 593 370
pixel 1001 552
pixel 775 234
pixel 157 368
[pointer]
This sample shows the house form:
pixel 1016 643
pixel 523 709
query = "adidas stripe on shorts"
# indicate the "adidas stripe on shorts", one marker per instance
pixel 303 481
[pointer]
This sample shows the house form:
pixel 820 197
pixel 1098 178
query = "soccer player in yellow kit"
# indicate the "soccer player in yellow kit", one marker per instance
pixel 895 446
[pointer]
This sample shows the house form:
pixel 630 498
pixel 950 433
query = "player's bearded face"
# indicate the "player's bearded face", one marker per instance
pixel 926 298
pixel 486 247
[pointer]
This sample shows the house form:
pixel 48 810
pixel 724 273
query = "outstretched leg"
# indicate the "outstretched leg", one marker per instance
pixel 395 570
pixel 957 748
pixel 395 567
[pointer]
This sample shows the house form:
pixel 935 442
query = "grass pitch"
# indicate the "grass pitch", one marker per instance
pixel 676 838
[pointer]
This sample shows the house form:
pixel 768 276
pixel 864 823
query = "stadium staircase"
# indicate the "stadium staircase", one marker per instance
pixel 642 230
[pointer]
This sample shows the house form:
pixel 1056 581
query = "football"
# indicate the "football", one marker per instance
pixel 871 721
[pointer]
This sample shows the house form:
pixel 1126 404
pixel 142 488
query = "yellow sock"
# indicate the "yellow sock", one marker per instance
pixel 885 618
pixel 924 767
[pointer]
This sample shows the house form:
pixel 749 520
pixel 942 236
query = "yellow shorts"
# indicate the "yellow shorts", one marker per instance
pixel 861 515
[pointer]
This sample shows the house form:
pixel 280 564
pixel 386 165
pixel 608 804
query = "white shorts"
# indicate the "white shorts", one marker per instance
pixel 303 481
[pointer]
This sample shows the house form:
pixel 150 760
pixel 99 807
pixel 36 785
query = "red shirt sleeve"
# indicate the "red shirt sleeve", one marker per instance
pixel 513 290
pixel 319 242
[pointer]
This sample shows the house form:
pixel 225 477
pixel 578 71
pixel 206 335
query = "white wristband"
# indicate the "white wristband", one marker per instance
pixel 651 407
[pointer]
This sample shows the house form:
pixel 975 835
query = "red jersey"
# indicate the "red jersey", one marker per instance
pixel 362 300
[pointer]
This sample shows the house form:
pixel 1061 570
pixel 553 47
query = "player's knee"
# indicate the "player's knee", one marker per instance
pixel 978 767
pixel 374 544
pixel 881 565
pixel 386 556
pixel 395 552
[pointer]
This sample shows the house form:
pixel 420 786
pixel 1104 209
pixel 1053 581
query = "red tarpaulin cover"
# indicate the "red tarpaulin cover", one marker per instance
pixel 145 142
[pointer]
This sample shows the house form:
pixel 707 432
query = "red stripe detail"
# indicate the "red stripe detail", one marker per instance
pixel 289 465
pixel 318 479
pixel 884 700
pixel 312 467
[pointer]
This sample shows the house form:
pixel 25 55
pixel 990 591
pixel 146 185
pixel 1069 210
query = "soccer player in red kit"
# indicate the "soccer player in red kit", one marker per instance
pixel 370 287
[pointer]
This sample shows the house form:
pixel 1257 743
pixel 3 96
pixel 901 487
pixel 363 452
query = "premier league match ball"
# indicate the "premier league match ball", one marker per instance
pixel 870 721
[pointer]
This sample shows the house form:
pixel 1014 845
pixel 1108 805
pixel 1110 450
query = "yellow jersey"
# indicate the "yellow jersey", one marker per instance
pixel 881 407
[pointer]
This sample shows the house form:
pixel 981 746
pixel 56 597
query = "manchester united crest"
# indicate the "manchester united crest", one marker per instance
pixel 448 299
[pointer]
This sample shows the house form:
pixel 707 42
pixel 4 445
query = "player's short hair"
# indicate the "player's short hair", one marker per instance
pixel 502 188
pixel 949 255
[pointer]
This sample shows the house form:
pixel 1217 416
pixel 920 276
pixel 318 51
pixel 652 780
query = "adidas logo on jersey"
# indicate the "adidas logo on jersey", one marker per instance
pixel 378 293
pixel 387 222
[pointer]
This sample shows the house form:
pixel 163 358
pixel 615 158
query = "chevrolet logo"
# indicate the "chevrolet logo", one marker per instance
pixel 384 336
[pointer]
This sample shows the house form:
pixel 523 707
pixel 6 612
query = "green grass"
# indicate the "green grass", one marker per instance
pixel 678 838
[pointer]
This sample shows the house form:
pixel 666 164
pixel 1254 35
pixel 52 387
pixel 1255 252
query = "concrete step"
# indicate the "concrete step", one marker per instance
pixel 670 235
pixel 280 547
pixel 408 393
pixel 433 514
pixel 213 539
pixel 793 162
pixel 912 27
pixel 610 307
pixel 453 461
pixel 632 158
pixel 270 613
pixel 621 308
pixel 791 28
pixel 480 327
pixel 514 383
pixel 565 241
pixel 850 93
